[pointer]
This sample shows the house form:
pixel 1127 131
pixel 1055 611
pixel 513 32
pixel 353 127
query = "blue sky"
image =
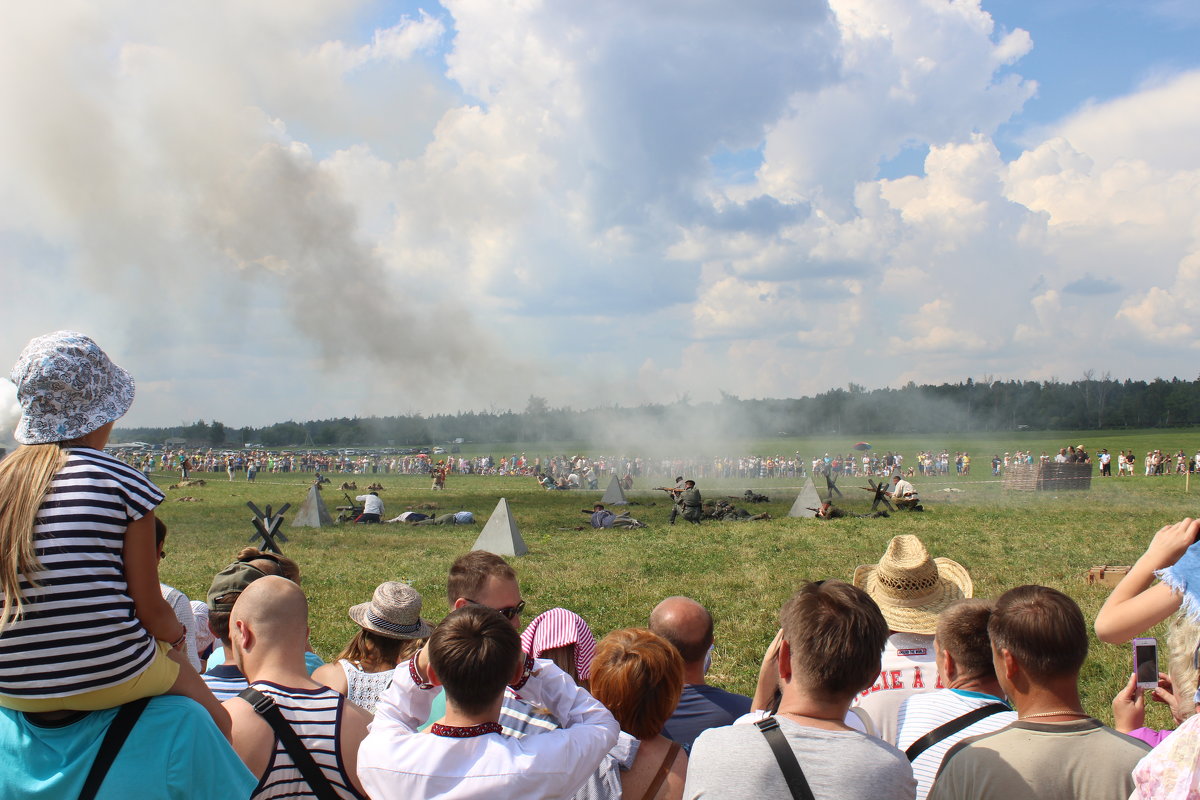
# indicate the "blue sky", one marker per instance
pixel 336 208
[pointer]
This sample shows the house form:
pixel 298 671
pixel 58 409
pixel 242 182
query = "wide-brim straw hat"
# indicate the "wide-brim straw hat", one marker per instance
pixel 910 587
pixel 67 387
pixel 394 612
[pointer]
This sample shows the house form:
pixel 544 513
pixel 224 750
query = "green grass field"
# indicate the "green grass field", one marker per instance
pixel 741 571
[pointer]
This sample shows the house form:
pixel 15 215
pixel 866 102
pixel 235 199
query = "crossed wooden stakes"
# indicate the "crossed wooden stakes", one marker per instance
pixel 266 527
pixel 831 487
pixel 880 490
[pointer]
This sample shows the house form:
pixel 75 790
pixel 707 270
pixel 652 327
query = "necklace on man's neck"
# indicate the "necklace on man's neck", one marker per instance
pixel 1067 713
pixel 810 716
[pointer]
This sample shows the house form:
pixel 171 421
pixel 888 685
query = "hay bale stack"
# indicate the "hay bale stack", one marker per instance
pixel 1049 477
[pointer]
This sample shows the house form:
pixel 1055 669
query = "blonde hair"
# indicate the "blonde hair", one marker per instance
pixel 25 477
pixel 1182 636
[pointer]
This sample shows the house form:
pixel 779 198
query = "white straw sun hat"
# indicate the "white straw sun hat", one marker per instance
pixel 910 587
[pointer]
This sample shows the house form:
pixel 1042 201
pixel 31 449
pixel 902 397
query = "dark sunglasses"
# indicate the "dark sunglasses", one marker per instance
pixel 508 613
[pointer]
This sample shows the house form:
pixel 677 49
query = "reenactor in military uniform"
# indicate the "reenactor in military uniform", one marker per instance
pixel 691 502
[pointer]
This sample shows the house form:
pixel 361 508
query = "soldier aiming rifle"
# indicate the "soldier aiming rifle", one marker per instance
pixel 677 505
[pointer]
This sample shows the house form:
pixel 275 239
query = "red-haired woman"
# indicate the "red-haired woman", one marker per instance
pixel 638 675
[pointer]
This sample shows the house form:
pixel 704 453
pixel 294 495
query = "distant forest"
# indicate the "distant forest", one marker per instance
pixel 1086 404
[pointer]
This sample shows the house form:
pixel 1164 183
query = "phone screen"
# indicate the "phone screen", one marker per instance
pixel 1145 659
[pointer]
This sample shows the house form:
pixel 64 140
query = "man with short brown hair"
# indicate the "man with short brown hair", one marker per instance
pixel 1055 749
pixel 833 634
pixel 930 723
pixel 477 573
pixel 475 653
pixel 486 579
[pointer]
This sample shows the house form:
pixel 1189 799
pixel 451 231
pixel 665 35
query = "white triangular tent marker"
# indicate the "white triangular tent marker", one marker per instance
pixel 312 513
pixel 500 535
pixel 614 495
pixel 807 500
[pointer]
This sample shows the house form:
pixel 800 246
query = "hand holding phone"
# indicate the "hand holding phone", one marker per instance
pixel 1145 662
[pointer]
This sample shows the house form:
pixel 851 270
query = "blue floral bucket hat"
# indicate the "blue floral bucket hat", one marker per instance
pixel 67 387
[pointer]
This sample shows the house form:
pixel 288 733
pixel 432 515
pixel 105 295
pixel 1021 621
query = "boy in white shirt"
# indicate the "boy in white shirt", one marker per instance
pixel 473 654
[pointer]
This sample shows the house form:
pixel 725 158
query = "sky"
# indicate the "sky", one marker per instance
pixel 328 208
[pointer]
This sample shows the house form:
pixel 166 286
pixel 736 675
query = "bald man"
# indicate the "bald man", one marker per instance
pixel 269 632
pixel 689 627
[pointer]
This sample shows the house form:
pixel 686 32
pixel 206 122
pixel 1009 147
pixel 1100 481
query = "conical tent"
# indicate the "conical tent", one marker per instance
pixel 614 495
pixel 500 535
pixel 312 513
pixel 806 501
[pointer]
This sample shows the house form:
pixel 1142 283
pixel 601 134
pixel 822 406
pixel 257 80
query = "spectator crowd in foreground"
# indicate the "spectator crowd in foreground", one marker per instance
pixel 895 684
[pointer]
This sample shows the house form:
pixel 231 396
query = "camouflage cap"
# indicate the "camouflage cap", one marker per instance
pixel 232 580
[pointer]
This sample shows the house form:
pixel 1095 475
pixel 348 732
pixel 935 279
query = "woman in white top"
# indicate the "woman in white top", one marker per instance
pixel 392 632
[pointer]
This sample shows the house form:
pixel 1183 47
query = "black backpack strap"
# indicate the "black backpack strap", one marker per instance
pixel 953 726
pixel 114 738
pixel 796 782
pixel 265 707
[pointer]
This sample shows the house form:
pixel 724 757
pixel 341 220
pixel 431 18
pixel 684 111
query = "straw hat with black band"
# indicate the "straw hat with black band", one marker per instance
pixel 394 612
pixel 910 587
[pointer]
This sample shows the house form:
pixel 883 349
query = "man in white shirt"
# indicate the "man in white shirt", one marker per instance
pixel 904 495
pixel 911 589
pixel 372 508
pixel 474 654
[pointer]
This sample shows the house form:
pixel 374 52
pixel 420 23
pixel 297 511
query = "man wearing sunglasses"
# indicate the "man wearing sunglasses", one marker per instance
pixel 485 579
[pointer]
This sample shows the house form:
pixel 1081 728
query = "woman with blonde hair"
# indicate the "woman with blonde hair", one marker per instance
pixel 638 675
pixel 84 625
pixel 391 632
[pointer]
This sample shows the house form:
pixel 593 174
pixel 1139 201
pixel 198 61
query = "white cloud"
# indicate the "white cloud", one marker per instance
pixel 516 197
pixel 910 72
pixel 397 43
pixel 1155 125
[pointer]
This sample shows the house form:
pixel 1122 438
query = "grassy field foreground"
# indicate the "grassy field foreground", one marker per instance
pixel 741 571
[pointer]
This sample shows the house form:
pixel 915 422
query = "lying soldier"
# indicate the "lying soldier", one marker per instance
pixel 603 518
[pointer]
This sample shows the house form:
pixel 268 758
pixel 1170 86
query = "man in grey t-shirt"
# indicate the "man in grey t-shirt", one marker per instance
pixel 1055 750
pixel 833 634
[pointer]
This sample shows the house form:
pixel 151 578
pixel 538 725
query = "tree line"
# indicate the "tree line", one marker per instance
pixel 970 406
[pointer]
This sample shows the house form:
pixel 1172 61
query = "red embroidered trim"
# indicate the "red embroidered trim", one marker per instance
pixel 482 729
pixel 416 678
pixel 525 675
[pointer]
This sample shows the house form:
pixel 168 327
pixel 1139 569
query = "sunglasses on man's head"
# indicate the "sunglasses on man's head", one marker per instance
pixel 508 613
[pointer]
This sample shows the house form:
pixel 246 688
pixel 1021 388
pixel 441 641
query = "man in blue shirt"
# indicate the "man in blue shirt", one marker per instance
pixel 174 752
pixel 689 627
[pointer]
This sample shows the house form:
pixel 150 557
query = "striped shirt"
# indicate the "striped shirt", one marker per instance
pixel 79 631
pixel 225 681
pixel 315 715
pixel 927 711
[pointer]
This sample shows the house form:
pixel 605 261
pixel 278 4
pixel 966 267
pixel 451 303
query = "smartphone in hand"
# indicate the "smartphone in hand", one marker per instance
pixel 1145 662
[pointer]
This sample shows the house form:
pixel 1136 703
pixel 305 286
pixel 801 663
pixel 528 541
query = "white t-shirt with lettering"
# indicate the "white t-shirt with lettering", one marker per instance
pixel 908 663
